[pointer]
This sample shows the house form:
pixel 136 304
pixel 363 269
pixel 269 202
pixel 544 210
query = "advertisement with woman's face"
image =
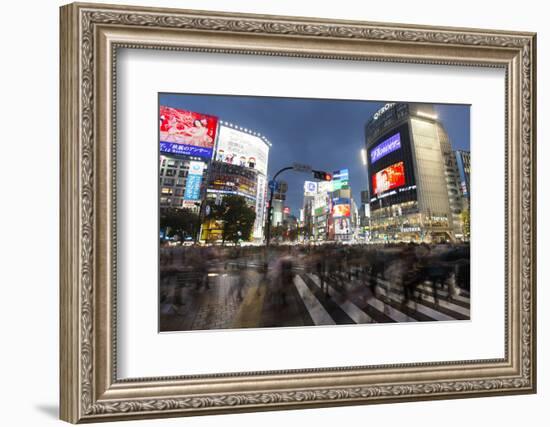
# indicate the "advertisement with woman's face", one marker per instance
pixel 186 132
pixel 389 178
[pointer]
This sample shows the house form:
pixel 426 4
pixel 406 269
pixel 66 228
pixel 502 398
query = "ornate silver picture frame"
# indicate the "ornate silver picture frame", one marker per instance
pixel 91 37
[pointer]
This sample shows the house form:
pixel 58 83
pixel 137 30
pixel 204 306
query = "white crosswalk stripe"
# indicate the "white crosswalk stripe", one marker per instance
pixel 320 315
pixel 358 315
pixel 417 306
pixel 389 311
pixel 316 310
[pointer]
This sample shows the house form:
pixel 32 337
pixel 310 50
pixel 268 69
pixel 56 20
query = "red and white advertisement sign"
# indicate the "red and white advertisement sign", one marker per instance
pixel 187 132
pixel 388 178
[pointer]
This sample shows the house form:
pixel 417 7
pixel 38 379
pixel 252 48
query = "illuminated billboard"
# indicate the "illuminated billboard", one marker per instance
pixel 342 225
pixel 320 210
pixel 341 175
pixel 310 188
pixel 388 178
pixel 341 207
pixel 261 193
pixel 194 179
pixel 386 147
pixel 186 132
pixel 241 148
pixel 340 179
pixel 324 186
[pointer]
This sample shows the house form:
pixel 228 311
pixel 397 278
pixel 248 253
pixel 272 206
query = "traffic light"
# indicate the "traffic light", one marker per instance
pixel 322 175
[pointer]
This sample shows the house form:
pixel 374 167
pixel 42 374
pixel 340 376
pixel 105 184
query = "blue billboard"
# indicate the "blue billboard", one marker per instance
pixel 194 180
pixel 340 175
pixel 386 147
pixel 186 150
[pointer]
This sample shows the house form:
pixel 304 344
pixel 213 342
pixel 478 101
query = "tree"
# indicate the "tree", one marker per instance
pixel 180 222
pixel 237 218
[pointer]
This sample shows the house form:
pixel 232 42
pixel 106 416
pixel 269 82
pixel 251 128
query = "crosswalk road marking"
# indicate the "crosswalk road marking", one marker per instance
pixel 427 295
pixel 440 293
pixel 316 310
pixel 384 311
pixel 447 304
pixel 358 315
pixel 374 302
pixel 418 306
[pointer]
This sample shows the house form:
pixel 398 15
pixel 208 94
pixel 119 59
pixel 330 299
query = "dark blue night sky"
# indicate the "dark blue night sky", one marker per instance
pixel 327 134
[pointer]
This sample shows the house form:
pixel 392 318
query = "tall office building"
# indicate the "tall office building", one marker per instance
pixel 414 184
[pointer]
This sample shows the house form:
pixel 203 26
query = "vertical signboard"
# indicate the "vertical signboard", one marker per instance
pixel 194 179
pixel 261 195
pixel 340 179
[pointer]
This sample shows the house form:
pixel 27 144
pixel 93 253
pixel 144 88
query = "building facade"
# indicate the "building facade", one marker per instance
pixel 414 184
pixel 463 165
pixel 182 182
pixel 239 167
pixel 202 157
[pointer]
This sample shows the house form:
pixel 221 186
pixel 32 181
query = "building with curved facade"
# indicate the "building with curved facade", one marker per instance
pixel 239 167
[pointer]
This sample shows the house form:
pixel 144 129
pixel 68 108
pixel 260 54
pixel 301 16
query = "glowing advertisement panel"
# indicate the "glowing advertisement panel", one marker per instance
pixel 340 175
pixel 342 225
pixel 186 132
pixel 324 186
pixel 386 147
pixel 388 178
pixel 194 179
pixel 341 209
pixel 339 185
pixel 310 188
pixel 240 148
pixel 340 179
pixel 261 193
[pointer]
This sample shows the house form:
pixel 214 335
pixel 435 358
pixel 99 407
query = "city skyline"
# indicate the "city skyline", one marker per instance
pixel 227 262
pixel 327 134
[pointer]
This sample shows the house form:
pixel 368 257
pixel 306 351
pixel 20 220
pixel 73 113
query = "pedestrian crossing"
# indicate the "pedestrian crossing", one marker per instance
pixel 248 301
pixel 316 310
pixel 332 303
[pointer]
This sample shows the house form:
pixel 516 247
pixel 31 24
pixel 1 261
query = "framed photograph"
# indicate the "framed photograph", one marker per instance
pixel 267 212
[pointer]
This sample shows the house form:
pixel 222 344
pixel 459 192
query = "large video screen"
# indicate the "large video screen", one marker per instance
pixel 386 147
pixel 187 132
pixel 389 178
pixel 241 148
pixel 341 209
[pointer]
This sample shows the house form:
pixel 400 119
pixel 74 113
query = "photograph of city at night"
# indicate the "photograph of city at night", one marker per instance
pixel 295 212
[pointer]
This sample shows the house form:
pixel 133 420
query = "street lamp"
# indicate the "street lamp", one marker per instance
pixel 364 156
